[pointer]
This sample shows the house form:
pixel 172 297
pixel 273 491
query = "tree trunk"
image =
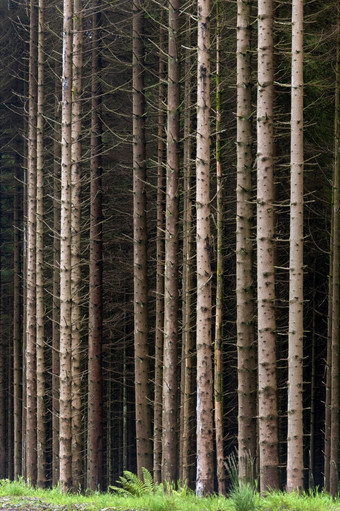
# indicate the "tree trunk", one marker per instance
pixel 95 418
pixel 159 336
pixel 31 383
pixel 169 441
pixel 56 285
pixel 267 388
pixel 142 392
pixel 246 354
pixel 188 412
pixel 218 359
pixel 295 329
pixel 76 278
pixel 17 323
pixel 40 307
pixel 335 375
pixel 205 446
pixel 65 452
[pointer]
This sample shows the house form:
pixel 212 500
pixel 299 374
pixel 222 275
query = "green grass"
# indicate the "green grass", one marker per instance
pixel 20 496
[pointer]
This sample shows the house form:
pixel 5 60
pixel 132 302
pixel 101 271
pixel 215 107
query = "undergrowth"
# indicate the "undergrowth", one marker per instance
pixel 130 493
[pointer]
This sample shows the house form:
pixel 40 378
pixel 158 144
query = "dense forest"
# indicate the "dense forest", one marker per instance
pixel 170 242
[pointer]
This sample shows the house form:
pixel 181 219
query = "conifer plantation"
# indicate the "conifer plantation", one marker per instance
pixel 170 242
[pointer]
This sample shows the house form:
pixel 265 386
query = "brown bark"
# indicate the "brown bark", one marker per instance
pixel 295 329
pixel 169 440
pixel 267 387
pixel 40 307
pixel 218 359
pixel 65 452
pixel 3 348
pixel 246 355
pixel 56 286
pixel 31 389
pixel 205 449
pixel 159 338
pixel 77 62
pixel 188 412
pixel 142 392
pixel 95 419
pixel 17 323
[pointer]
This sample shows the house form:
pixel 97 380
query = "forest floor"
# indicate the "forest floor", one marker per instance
pixel 20 497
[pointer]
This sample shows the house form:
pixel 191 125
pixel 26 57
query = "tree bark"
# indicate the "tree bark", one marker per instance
pixel 65 453
pixel 17 322
pixel 267 387
pixel 56 285
pixel 188 412
pixel 246 354
pixel 169 440
pixel 31 383
pixel 159 334
pixel 142 392
pixel 295 328
pixel 76 277
pixel 205 448
pixel 95 425
pixel 40 304
pixel 218 358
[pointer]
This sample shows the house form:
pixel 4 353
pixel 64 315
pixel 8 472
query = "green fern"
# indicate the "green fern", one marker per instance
pixel 131 484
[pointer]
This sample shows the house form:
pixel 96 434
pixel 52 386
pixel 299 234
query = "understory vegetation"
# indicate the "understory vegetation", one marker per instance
pixel 133 495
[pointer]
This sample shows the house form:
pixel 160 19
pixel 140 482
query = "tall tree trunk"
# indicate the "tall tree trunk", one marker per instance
pixel 56 285
pixel 205 447
pixel 295 329
pixel 218 360
pixel 31 383
pixel 142 392
pixel 65 452
pixel 95 417
pixel 267 388
pixel 159 336
pixel 3 347
pixel 169 441
pixel 246 354
pixel 77 62
pixel 40 307
pixel 335 374
pixel 17 323
pixel 188 412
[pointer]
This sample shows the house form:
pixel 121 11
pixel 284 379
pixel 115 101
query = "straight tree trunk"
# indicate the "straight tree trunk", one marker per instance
pixel 205 446
pixel 142 391
pixel 267 387
pixel 188 412
pixel 335 374
pixel 17 323
pixel 170 394
pixel 3 347
pixel 40 307
pixel 65 453
pixel 246 354
pixel 77 62
pixel 95 384
pixel 218 359
pixel 56 285
pixel 295 329
pixel 159 337
pixel 31 383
